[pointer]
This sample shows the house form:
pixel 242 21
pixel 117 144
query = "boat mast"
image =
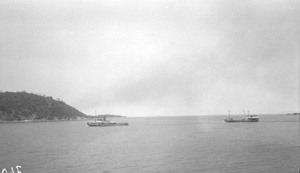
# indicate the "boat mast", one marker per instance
pixel 245 113
pixel 229 113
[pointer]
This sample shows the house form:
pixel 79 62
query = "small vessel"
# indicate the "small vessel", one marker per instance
pixel 249 118
pixel 103 122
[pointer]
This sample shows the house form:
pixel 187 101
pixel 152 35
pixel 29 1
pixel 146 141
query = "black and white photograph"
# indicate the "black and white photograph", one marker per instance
pixel 149 86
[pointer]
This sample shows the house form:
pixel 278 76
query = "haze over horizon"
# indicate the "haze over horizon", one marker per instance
pixel 158 57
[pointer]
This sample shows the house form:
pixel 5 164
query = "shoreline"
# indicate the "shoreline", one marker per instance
pixel 38 121
pixel 56 120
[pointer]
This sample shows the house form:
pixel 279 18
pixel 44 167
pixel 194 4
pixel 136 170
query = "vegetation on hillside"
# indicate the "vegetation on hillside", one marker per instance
pixel 27 106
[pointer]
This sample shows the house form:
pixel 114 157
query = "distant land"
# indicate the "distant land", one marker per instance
pixel 23 106
pixel 293 113
pixel 107 115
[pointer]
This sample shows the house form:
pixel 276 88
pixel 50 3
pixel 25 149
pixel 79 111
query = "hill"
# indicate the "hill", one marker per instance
pixel 20 106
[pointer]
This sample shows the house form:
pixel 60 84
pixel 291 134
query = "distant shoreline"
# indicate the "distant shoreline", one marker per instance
pixel 57 120
pixel 34 121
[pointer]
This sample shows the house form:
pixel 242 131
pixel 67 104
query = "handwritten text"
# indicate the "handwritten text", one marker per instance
pixel 12 170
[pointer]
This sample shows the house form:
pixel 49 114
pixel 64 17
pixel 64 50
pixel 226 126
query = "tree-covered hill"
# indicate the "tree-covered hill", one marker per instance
pixel 26 106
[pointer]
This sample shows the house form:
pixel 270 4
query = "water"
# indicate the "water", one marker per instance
pixel 156 144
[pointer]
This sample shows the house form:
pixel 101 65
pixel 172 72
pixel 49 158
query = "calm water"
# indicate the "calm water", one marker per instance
pixel 156 144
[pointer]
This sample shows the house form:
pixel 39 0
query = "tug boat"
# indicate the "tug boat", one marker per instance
pixel 103 122
pixel 249 118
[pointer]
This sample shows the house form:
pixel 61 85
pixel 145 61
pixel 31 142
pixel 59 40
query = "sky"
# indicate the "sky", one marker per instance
pixel 154 57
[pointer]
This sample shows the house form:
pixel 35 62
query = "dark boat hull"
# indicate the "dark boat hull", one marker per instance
pixel 242 120
pixel 99 124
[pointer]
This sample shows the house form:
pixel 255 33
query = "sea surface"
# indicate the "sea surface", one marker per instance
pixel 153 144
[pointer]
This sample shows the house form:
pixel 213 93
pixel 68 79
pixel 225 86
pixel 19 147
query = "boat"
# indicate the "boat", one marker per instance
pixel 103 122
pixel 249 118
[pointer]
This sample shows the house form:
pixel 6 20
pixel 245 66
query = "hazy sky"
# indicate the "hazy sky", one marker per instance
pixel 155 57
